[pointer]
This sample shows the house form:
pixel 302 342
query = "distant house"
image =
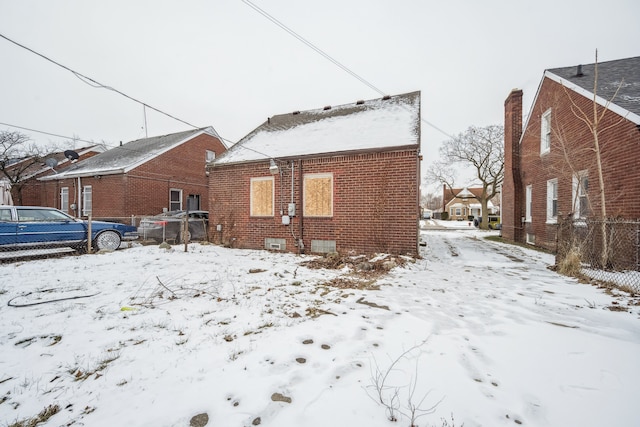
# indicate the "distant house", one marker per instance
pixel 463 203
pixel 337 179
pixel 24 185
pixel 551 169
pixel 141 177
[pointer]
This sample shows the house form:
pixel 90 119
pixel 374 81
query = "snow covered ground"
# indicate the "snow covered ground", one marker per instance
pixel 475 329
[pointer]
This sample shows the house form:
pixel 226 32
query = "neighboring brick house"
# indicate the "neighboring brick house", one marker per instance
pixel 338 179
pixel 26 189
pixel 551 167
pixel 141 177
pixel 462 203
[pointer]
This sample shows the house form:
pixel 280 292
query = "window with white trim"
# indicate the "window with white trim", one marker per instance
pixel 580 188
pixel 87 200
pixel 175 199
pixel 210 156
pixel 552 200
pixel 262 196
pixel 318 195
pixel 529 193
pixel 64 199
pixel 545 132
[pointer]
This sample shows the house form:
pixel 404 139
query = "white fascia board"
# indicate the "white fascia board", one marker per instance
pixel 610 105
pixel 80 174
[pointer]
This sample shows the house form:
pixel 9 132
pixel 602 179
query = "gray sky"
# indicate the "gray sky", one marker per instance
pixel 221 63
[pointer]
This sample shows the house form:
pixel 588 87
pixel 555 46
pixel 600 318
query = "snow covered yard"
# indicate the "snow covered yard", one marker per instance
pixel 154 337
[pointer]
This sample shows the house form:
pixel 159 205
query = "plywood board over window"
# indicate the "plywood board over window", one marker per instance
pixel 262 196
pixel 318 195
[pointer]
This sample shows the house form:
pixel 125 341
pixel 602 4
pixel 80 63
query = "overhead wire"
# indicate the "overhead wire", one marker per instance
pixel 330 58
pixel 93 83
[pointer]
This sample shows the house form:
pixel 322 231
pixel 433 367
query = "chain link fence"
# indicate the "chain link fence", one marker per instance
pixel 604 250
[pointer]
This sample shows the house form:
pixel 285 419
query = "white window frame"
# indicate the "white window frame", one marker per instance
pixel 87 200
pixel 179 202
pixel 528 203
pixel 545 132
pixel 578 193
pixel 209 156
pixel 552 196
pixel 64 199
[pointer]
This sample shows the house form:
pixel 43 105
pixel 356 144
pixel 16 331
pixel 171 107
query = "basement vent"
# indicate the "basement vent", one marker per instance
pixel 296 113
pixel 386 97
pixel 323 246
pixel 328 107
pixel 275 244
pixel 359 102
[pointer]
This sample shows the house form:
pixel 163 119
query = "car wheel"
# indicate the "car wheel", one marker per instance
pixel 107 241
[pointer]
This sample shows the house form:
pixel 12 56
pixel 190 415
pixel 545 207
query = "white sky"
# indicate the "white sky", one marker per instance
pixel 507 341
pixel 221 63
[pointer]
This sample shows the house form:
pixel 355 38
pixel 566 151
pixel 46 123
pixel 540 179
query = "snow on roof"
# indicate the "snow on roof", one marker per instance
pixel 128 156
pixel 383 123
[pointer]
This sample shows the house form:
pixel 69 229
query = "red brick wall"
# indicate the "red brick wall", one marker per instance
pixel 145 189
pixel 572 150
pixel 375 204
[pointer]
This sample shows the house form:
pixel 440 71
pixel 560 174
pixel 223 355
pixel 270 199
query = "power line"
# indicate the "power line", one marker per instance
pixel 48 133
pixel 93 83
pixel 328 57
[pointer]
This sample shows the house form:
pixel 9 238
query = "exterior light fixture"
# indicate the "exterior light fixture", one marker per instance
pixel 273 168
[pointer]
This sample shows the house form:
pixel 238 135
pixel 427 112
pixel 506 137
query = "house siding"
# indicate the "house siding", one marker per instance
pixel 571 151
pixel 375 204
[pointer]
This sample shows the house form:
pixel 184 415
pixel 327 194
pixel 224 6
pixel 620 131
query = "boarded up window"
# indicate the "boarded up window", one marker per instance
pixel 262 196
pixel 318 195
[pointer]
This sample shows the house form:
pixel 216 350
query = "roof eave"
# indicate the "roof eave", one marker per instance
pixel 408 147
pixel 609 104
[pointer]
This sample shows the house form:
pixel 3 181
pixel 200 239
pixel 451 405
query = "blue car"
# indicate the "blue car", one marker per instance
pixel 35 227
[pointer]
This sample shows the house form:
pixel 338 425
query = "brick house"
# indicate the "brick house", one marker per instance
pixel 141 177
pixel 338 179
pixel 461 203
pixel 22 176
pixel 551 167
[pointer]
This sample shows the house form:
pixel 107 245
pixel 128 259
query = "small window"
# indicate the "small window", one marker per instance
pixel 210 156
pixel 64 199
pixel 5 214
pixel 175 199
pixel 580 199
pixel 87 200
pixel 318 195
pixel 528 204
pixel 262 196
pixel 552 200
pixel 545 132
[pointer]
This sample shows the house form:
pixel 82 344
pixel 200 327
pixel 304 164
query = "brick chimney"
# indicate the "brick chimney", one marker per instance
pixel 512 191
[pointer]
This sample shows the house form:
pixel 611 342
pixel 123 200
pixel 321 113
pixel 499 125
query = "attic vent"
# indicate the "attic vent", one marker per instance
pixel 359 102
pixel 579 72
pixel 386 97
pixel 295 112
pixel 328 107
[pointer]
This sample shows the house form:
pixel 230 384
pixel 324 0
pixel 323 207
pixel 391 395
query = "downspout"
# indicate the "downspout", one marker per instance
pixel 300 207
pixel 79 198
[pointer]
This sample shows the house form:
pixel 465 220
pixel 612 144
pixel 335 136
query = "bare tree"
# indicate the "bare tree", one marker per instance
pixel 18 157
pixel 479 148
pixel 593 119
pixel 431 201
